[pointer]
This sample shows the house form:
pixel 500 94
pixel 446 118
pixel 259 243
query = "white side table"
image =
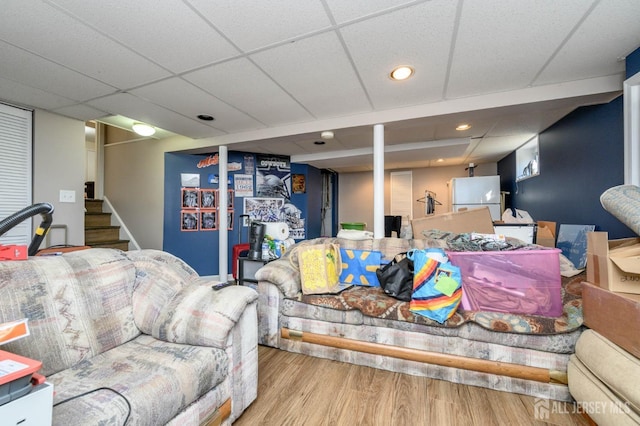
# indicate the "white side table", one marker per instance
pixel 32 409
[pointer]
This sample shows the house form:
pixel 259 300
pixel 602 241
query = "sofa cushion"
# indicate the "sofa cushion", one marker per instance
pixel 612 365
pixel 78 305
pixel 183 308
pixel 158 379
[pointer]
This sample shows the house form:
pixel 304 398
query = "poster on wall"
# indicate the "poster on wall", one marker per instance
pixel 273 176
pixel 249 164
pixel 263 209
pixel 208 220
pixel 189 220
pixel 190 180
pixel 190 198
pixel 243 185
pixel 208 198
pixel 292 216
pixel 299 185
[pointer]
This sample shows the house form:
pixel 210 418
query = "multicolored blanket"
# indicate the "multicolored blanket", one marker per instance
pixel 373 302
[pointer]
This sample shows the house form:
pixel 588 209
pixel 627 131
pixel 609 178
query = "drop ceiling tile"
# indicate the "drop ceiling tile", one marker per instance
pixel 419 36
pixel 66 40
pixel 260 96
pixel 317 73
pixel 137 109
pixel 150 28
pixel 598 44
pixel 251 24
pixel 80 112
pixel 30 97
pixel 502 46
pixel 25 68
pixel 500 145
pixel 343 11
pixel 185 99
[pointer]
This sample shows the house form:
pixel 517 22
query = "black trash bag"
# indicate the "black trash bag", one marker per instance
pixel 396 277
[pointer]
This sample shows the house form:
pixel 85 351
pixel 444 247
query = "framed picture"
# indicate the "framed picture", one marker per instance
pixel 190 198
pixel 230 195
pixel 208 220
pixel 208 198
pixel 298 185
pixel 230 220
pixel 264 209
pixel 189 220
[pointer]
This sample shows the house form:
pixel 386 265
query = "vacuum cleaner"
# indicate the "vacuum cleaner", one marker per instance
pixel 44 209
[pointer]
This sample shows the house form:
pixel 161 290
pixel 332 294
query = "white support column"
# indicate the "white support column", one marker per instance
pixel 223 234
pixel 632 130
pixel 378 181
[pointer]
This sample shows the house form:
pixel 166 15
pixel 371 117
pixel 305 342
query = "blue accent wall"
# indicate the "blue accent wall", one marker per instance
pixel 200 248
pixel 581 156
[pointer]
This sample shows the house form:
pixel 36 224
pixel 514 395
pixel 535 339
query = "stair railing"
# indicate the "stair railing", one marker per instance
pixel 123 228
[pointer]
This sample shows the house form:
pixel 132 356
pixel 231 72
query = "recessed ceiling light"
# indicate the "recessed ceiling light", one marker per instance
pixel 462 127
pixel 319 142
pixel 401 73
pixel 439 160
pixel 205 117
pixel 143 129
pixel 327 134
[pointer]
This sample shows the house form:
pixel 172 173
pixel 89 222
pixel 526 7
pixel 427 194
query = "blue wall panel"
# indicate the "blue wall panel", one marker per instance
pixel 200 248
pixel 580 157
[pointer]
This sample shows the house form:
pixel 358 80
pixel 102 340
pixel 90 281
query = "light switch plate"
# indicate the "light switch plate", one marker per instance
pixel 67 196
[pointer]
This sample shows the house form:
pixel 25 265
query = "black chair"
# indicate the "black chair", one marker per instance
pixel 392 223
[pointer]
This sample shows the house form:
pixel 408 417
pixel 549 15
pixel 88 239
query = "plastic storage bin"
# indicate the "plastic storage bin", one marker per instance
pixel 517 281
pixel 360 226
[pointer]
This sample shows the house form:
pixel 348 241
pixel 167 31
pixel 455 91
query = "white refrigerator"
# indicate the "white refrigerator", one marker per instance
pixel 478 191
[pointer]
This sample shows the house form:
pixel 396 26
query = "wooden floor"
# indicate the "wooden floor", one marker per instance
pixel 295 389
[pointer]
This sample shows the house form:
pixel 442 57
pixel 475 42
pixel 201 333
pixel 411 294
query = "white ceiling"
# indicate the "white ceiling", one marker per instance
pixel 275 73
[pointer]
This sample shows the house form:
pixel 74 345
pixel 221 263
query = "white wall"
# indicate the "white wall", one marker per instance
pixel 59 163
pixel 134 184
pixel 355 197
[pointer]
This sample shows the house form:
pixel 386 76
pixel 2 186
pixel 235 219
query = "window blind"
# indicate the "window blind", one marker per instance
pixel 16 143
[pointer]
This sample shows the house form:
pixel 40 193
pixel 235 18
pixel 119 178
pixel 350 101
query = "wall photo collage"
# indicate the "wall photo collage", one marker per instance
pixel 200 207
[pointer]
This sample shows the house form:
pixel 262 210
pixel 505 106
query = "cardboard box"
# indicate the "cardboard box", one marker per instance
pixel 615 264
pixel 614 315
pixel 474 220
pixel 546 234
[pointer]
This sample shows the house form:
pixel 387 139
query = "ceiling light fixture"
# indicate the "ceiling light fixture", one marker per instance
pixel 143 129
pixel 462 127
pixel 401 72
pixel 327 134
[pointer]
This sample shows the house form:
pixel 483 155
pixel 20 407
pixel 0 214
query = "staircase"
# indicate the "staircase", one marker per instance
pixel 98 231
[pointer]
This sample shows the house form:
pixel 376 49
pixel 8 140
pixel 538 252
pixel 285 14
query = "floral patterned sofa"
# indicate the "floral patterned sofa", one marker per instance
pixel 133 337
pixel 364 326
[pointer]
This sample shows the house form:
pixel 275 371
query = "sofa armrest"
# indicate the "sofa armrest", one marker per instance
pixel 195 315
pixel 283 275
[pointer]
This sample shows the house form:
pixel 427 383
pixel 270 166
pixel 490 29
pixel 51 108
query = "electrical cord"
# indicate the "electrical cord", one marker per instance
pixel 96 390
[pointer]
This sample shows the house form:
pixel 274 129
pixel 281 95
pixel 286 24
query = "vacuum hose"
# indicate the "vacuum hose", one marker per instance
pixel 45 209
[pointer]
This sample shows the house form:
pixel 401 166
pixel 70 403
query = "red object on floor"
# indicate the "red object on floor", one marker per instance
pixel 238 250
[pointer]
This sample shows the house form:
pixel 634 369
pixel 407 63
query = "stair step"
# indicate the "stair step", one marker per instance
pixel 99 234
pixel 116 244
pixel 97 219
pixel 93 206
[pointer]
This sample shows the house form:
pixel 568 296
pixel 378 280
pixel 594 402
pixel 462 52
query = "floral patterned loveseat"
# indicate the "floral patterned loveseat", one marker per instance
pixel 133 337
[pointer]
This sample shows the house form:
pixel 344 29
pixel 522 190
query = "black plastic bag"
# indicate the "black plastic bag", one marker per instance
pixel 396 277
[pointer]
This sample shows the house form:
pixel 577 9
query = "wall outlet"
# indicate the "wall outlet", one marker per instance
pixel 245 221
pixel 67 196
